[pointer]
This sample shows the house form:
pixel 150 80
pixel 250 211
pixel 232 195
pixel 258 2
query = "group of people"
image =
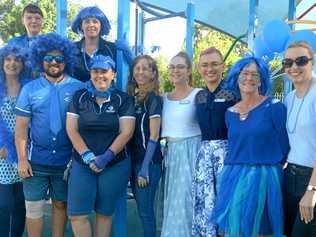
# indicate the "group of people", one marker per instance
pixel 236 161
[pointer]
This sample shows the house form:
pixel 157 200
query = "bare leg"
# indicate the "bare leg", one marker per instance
pixel 59 218
pixel 80 226
pixel 102 226
pixel 34 227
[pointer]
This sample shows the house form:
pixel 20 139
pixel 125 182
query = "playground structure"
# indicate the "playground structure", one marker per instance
pixel 242 20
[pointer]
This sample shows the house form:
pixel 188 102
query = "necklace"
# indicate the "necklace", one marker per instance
pixel 291 131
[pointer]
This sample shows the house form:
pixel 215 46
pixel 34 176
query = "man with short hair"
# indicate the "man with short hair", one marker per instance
pixel 41 112
pixel 32 19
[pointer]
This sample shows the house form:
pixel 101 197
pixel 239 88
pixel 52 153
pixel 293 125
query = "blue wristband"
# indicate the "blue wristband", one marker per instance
pixel 87 156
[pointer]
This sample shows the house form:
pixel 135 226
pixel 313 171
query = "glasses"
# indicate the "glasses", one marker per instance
pixel 299 61
pixel 56 58
pixel 178 67
pixel 212 65
pixel 246 74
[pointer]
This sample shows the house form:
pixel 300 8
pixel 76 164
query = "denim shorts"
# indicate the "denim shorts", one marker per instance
pixel 88 191
pixel 45 180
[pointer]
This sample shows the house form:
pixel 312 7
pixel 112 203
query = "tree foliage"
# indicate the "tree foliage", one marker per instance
pixel 204 38
pixel 10 17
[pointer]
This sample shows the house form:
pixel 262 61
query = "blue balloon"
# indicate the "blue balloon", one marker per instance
pixel 261 50
pixel 303 35
pixel 275 34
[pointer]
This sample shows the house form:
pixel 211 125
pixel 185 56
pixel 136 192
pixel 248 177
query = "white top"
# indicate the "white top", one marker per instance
pixel 179 117
pixel 301 128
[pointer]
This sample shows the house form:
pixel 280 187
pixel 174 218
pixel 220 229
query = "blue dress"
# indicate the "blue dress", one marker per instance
pixel 249 201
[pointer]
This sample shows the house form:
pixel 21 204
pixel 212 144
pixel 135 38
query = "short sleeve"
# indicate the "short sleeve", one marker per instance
pixel 23 106
pixel 154 106
pixel 127 109
pixel 73 108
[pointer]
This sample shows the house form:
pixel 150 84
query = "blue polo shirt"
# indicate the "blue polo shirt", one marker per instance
pixel 150 108
pixel 34 102
pixel 100 125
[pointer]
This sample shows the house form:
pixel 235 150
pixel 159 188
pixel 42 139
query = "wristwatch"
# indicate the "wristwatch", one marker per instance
pixel 311 188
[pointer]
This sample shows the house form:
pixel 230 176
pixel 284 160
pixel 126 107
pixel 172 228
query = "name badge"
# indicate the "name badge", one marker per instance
pixel 184 102
pixel 219 100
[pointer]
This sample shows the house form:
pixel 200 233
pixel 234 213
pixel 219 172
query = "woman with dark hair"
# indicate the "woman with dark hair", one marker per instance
pixel 13 64
pixel 249 200
pixel 211 105
pixel 144 147
pixel 93 25
pixel 181 129
pixel 300 173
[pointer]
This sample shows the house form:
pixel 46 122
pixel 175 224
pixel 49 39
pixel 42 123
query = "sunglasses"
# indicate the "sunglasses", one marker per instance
pixel 299 61
pixel 56 58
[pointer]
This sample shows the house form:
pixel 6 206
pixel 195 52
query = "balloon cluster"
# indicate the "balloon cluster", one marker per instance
pixel 276 36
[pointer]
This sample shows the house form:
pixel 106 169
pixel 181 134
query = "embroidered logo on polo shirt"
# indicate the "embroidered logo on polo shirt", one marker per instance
pixel 110 109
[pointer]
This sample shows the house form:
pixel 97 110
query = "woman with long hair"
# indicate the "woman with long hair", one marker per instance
pixel 181 129
pixel 300 173
pixel 14 63
pixel 144 147
pixel 249 200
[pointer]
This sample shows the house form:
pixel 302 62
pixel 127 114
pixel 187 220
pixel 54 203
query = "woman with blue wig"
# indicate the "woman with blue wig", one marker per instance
pixel 93 25
pixel 249 201
pixel 13 65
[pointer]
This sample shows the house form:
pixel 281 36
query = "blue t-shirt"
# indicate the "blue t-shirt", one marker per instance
pixel 261 138
pixel 210 111
pixel 34 101
pixel 100 125
pixel 150 108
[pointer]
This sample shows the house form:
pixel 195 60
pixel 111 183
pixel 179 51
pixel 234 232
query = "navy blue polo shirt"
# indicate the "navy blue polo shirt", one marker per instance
pixel 45 148
pixel 151 108
pixel 105 48
pixel 100 125
pixel 210 110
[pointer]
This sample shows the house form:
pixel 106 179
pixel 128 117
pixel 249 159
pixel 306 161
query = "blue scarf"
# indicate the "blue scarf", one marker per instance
pixel 104 94
pixel 6 136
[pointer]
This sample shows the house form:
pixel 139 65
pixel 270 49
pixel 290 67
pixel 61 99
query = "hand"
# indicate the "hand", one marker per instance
pixel 3 153
pixel 307 205
pixel 143 177
pixel 93 166
pixel 25 169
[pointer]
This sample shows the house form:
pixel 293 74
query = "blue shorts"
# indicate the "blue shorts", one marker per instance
pixel 45 180
pixel 100 192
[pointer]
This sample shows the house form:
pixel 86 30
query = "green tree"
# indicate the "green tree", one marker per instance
pixel 10 17
pixel 204 38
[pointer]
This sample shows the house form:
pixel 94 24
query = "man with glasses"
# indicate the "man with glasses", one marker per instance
pixel 41 112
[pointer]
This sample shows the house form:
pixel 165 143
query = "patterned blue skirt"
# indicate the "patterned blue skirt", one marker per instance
pixel 178 206
pixel 208 165
pixel 249 201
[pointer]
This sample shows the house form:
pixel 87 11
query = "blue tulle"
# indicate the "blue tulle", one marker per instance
pixel 127 52
pixel 249 201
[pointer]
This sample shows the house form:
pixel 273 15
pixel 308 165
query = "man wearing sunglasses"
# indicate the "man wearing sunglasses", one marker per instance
pixel 41 112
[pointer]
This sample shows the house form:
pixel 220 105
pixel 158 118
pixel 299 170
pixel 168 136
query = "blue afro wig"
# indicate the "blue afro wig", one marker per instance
pixel 50 42
pixel 22 54
pixel 263 70
pixel 91 12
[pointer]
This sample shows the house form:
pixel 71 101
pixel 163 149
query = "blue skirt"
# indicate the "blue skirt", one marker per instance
pixel 249 201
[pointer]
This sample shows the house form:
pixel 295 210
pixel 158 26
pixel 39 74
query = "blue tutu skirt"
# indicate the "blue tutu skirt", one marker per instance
pixel 249 201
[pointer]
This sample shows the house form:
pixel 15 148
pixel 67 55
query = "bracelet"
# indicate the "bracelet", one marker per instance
pixel 87 156
pixel 311 188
